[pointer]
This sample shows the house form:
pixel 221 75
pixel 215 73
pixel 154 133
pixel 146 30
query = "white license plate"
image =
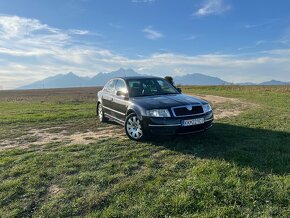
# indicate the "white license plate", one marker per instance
pixel 192 122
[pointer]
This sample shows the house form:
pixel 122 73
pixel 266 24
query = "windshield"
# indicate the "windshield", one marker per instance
pixel 149 87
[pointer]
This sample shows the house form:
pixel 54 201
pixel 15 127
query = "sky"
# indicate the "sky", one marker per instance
pixel 237 41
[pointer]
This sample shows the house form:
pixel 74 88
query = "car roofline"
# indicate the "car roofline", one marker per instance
pixel 137 77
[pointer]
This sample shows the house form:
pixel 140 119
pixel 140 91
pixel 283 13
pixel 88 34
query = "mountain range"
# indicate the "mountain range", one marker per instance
pixel 73 80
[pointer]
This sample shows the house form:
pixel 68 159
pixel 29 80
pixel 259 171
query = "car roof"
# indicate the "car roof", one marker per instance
pixel 137 77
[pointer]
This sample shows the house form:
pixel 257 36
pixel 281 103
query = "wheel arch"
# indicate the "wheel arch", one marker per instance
pixel 130 111
pixel 134 110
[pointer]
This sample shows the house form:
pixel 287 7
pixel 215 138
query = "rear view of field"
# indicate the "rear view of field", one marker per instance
pixel 56 159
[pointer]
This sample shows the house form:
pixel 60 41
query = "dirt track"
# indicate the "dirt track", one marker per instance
pixel 226 107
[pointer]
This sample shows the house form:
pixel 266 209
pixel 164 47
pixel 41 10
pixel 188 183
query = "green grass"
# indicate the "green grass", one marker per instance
pixel 39 112
pixel 239 168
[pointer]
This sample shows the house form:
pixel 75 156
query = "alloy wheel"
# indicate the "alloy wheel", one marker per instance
pixel 134 128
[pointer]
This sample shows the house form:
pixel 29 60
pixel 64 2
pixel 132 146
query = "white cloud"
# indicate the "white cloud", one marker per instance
pixel 285 39
pixel 280 52
pixel 152 34
pixel 212 7
pixel 143 1
pixel 192 37
pixel 263 24
pixel 14 26
pixel 250 26
pixel 116 26
pixel 260 42
pixel 79 32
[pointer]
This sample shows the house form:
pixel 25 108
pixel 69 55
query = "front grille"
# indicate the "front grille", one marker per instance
pixel 183 111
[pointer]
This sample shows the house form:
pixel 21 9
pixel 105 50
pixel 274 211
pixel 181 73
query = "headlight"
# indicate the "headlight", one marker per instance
pixel 206 108
pixel 158 113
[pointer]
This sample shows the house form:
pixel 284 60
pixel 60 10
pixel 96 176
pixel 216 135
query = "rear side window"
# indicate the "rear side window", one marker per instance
pixel 110 86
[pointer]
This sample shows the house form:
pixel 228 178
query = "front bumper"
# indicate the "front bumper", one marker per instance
pixel 172 125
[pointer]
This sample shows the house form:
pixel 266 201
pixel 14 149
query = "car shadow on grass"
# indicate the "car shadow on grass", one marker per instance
pixel 265 150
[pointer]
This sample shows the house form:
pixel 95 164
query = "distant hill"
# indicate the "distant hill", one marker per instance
pixel 267 83
pixel 73 80
pixel 199 79
pixel 58 81
pixel 246 84
pixel 101 78
pixel 274 82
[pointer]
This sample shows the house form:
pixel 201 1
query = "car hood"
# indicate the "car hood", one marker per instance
pixel 166 101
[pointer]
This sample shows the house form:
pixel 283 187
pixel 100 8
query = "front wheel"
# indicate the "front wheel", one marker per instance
pixel 134 128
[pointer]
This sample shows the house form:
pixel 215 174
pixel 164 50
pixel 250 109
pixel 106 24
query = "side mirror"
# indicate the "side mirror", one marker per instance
pixel 179 90
pixel 122 94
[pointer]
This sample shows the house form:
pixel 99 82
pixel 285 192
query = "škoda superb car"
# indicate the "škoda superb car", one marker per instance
pixel 151 105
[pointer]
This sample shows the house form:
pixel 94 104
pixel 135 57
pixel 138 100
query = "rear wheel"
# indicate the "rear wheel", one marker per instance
pixel 101 115
pixel 134 128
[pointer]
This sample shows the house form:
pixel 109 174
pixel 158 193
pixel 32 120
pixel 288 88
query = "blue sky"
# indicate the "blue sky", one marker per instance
pixel 238 41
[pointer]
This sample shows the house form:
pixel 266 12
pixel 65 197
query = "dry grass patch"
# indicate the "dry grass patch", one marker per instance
pixel 61 134
pixel 227 107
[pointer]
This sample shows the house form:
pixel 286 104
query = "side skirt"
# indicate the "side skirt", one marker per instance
pixel 115 119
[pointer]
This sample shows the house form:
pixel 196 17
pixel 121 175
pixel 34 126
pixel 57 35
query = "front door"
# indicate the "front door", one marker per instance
pixel 120 103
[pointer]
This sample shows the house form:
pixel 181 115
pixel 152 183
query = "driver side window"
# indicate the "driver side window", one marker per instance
pixel 121 86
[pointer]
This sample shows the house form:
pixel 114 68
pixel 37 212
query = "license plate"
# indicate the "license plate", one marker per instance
pixel 193 122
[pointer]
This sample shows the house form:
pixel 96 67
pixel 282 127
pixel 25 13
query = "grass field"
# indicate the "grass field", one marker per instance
pixel 57 160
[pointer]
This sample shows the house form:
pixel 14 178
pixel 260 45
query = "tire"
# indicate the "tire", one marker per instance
pixel 133 128
pixel 101 114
